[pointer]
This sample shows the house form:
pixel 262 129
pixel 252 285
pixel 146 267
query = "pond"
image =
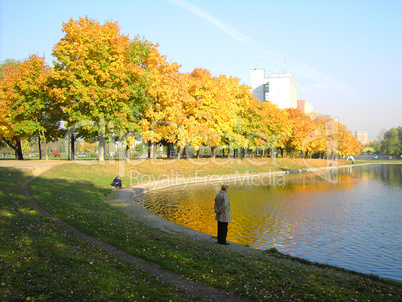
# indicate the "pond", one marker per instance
pixel 349 217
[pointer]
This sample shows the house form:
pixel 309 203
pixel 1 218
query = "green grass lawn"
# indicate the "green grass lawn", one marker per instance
pixel 40 261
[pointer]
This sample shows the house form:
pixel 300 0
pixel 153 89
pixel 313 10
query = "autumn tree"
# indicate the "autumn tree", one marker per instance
pixel 8 77
pixel 98 80
pixel 301 125
pixel 213 111
pixel 242 104
pixel 267 126
pixel 43 113
pixel 321 134
pixel 163 121
pixel 347 143
pixel 25 88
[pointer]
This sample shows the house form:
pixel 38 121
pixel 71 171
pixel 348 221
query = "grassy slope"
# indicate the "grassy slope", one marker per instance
pixel 41 261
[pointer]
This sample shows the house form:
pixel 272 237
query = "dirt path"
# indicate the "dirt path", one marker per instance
pixel 36 167
pixel 198 289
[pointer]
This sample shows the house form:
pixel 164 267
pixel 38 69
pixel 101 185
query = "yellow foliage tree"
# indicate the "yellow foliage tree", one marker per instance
pixel 348 144
pixel 211 111
pixel 164 119
pixel 98 79
pixel 27 109
pixel 301 125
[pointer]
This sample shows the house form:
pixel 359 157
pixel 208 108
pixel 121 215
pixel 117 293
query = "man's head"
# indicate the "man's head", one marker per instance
pixel 225 187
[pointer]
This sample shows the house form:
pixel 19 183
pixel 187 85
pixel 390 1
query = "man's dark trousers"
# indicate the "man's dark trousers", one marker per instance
pixel 222 232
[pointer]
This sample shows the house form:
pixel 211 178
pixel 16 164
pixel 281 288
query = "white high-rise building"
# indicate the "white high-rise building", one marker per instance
pixel 258 82
pixel 278 88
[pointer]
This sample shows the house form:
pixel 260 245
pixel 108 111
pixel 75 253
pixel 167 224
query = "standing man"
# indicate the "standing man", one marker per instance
pixel 222 210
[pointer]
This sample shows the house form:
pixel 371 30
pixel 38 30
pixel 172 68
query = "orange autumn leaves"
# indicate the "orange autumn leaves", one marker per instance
pixel 105 85
pixel 25 106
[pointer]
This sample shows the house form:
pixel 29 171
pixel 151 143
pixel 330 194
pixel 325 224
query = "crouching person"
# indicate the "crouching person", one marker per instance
pixel 117 183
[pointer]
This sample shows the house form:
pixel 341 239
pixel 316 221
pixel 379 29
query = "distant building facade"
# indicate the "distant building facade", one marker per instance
pixel 305 108
pixel 259 84
pixel 301 105
pixel 278 88
pixel 362 137
pixel 308 109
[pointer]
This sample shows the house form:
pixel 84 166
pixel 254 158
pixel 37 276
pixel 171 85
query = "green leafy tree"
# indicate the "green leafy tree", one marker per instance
pixel 392 143
pixel 376 145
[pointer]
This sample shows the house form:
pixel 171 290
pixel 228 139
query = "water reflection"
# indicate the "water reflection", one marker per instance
pixel 349 217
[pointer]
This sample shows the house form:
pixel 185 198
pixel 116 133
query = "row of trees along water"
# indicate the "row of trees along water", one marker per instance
pixel 390 143
pixel 104 86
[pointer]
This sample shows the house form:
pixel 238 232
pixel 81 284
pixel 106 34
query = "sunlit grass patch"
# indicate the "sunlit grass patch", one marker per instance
pixel 6 213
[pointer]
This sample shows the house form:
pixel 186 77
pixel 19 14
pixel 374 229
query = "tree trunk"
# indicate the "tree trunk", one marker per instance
pixel 149 149
pixel 18 150
pixel 45 144
pixel 153 151
pixel 46 153
pixel 127 153
pixel 39 148
pixel 102 145
pixel 168 150
pixel 72 151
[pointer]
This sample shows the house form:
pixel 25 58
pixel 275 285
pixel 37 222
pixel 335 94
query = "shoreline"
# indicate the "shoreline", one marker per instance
pixel 124 201
pixel 150 186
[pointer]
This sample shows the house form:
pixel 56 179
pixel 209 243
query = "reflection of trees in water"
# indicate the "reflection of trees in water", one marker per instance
pixel 348 221
pixel 268 209
pixel 390 174
pixel 190 206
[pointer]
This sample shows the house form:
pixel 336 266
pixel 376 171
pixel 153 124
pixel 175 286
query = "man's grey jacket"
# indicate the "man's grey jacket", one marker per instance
pixel 222 207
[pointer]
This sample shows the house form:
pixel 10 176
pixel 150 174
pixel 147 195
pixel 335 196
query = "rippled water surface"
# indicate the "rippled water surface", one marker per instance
pixel 349 218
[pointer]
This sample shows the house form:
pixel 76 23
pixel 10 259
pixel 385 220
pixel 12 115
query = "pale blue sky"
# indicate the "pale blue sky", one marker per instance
pixel 346 56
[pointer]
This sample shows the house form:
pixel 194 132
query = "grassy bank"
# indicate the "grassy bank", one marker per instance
pixel 147 170
pixel 40 261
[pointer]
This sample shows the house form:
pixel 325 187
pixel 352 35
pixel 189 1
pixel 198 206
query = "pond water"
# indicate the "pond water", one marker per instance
pixel 349 217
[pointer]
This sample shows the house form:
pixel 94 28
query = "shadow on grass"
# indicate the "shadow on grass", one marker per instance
pixel 40 261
